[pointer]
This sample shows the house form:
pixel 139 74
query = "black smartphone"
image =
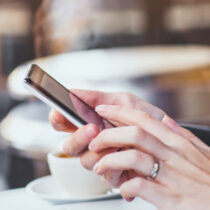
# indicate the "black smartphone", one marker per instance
pixel 50 91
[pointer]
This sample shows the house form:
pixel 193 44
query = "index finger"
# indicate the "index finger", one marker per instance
pixel 156 128
pixel 142 119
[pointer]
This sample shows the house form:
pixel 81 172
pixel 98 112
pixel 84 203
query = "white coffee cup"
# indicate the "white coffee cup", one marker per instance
pixel 76 181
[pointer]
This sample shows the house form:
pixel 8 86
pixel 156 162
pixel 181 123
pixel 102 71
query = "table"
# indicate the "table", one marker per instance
pixel 170 77
pixel 20 200
pixel 94 68
pixel 26 149
pixel 19 130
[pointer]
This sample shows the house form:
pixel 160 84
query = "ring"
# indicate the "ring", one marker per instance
pixel 154 171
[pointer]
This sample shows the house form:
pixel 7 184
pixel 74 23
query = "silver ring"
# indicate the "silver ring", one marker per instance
pixel 154 171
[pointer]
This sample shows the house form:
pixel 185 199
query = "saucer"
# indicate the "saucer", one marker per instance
pixel 46 188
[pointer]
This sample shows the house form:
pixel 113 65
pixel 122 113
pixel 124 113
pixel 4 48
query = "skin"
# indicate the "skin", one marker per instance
pixel 77 143
pixel 146 133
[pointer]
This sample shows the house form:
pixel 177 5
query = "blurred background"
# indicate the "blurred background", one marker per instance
pixel 158 50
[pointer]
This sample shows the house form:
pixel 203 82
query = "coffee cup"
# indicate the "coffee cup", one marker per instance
pixel 75 180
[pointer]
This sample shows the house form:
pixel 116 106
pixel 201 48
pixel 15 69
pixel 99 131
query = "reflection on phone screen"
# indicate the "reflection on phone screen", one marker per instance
pixel 88 114
pixel 63 98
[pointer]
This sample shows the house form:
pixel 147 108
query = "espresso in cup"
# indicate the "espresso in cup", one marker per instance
pixel 62 155
pixel 76 181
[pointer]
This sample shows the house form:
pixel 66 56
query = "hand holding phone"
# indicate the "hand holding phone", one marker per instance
pixel 50 91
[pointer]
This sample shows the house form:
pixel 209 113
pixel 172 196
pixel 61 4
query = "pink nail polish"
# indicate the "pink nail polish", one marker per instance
pixel 92 146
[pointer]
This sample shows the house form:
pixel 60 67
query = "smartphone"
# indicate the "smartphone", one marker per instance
pixel 50 91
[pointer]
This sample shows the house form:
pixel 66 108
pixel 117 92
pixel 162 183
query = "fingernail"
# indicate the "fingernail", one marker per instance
pixel 58 126
pixel 101 108
pixel 90 131
pixel 96 169
pixel 170 121
pixel 92 146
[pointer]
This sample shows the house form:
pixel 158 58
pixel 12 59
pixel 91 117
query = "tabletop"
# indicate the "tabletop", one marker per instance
pixel 82 69
pixel 169 77
pixel 19 199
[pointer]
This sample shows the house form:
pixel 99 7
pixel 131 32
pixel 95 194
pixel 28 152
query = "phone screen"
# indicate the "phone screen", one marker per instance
pixel 63 98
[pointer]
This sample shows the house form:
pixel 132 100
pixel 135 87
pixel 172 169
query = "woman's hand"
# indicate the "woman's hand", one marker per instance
pixel 77 142
pixel 183 180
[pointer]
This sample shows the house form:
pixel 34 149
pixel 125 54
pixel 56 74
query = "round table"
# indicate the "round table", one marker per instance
pixel 20 200
pixel 170 77
pixel 96 69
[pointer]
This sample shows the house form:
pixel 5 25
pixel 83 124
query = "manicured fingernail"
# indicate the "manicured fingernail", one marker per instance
pixel 90 131
pixel 101 108
pixel 96 169
pixel 58 126
pixel 92 145
pixel 170 121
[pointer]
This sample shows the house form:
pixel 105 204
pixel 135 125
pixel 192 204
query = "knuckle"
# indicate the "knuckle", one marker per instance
pixel 128 99
pixel 134 157
pixel 138 134
pixel 182 144
pixel 144 115
pixel 127 96
pixel 102 137
pixel 135 132
pixel 105 136
pixel 188 133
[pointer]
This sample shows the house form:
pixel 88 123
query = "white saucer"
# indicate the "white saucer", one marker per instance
pixel 47 189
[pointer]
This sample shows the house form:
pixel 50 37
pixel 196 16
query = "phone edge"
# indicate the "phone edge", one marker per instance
pixel 51 103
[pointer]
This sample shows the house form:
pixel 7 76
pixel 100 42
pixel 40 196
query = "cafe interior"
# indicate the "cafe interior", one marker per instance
pixel 158 50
